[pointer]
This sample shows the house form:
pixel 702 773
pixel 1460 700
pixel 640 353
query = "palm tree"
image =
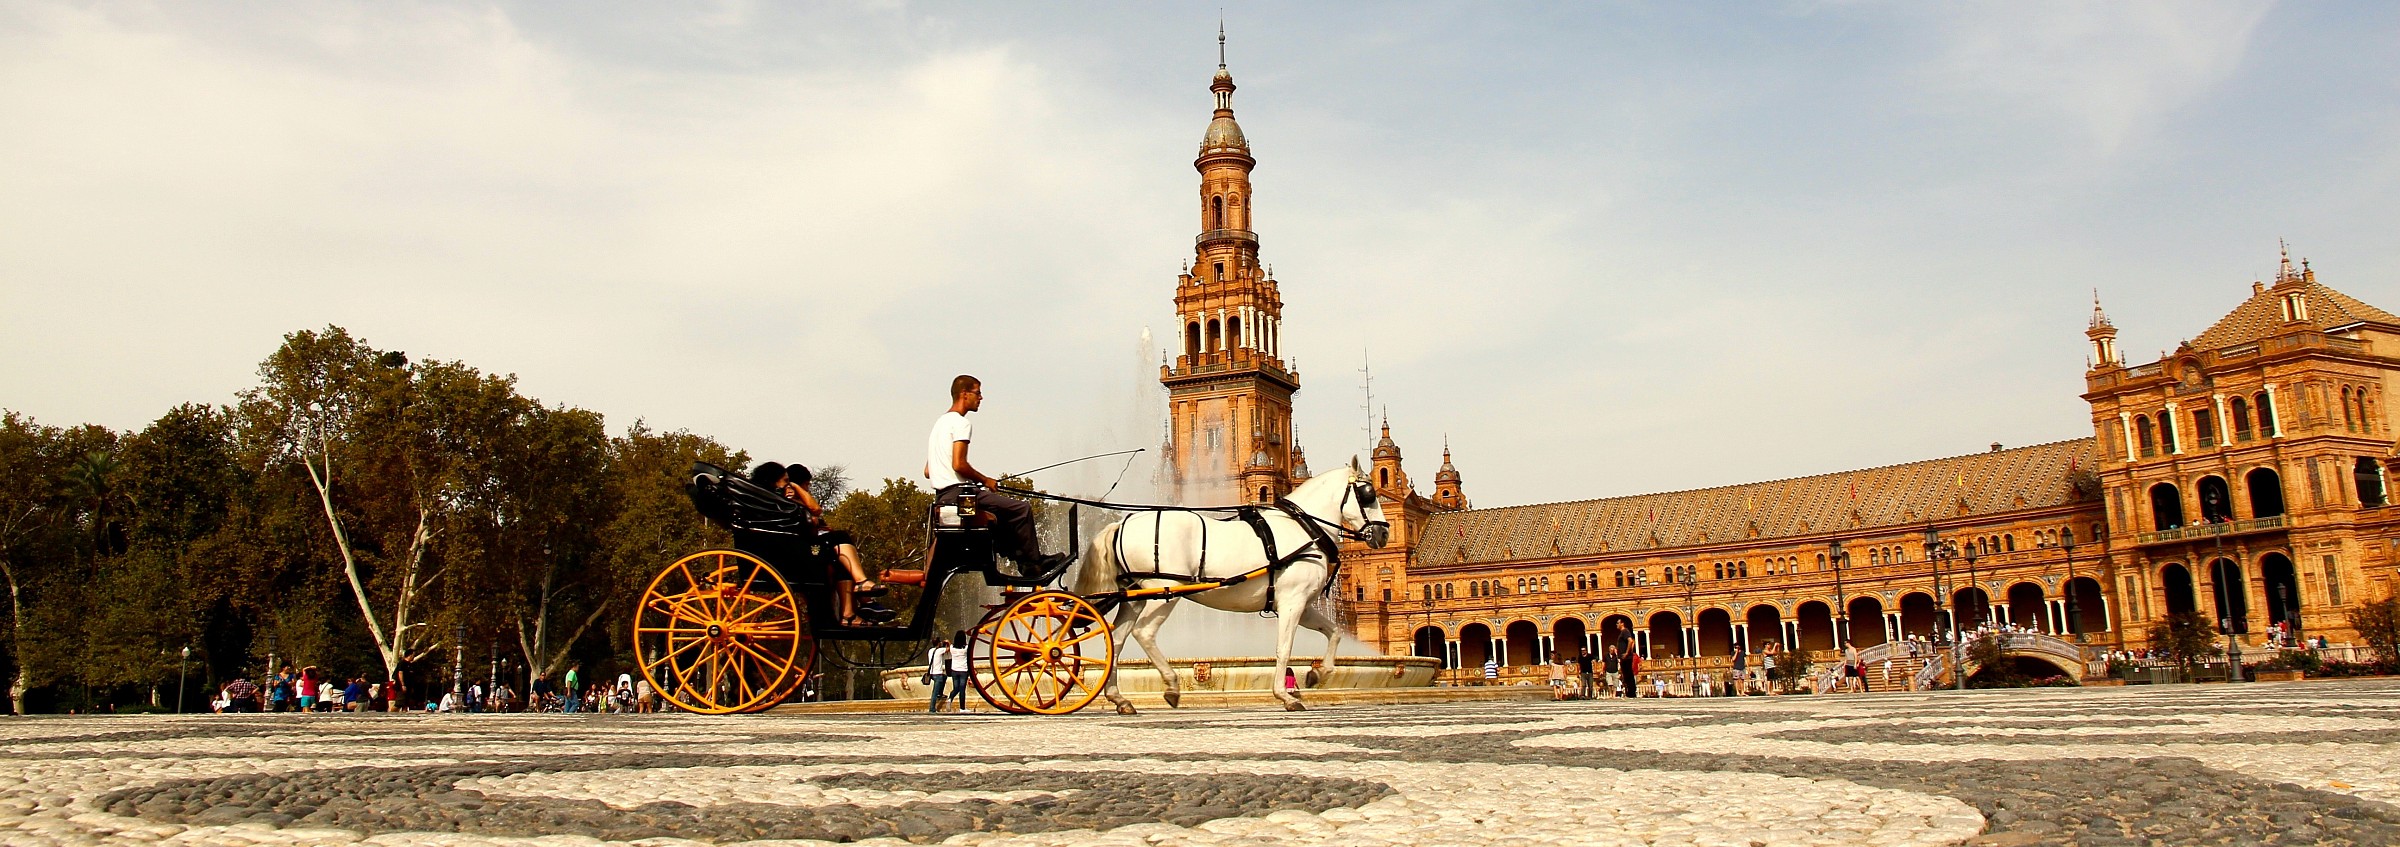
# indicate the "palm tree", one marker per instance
pixel 91 483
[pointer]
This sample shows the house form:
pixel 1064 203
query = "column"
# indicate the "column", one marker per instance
pixel 1691 640
pixel 1549 644
pixel 1450 654
pixel 1891 626
pixel 2000 613
pixel 2107 616
pixel 1641 643
pixel 1791 635
pixel 2125 433
pixel 2175 444
pixel 2224 426
pixel 1500 650
pixel 2275 412
pixel 1741 636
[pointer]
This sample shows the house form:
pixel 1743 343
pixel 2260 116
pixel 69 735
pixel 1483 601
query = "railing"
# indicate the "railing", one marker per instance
pixel 1226 235
pixel 2210 530
pixel 2152 369
pixel 1930 673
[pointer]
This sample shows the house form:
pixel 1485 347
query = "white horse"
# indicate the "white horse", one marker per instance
pixel 1210 546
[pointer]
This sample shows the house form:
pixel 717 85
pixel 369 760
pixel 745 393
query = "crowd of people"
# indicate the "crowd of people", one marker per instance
pixel 311 689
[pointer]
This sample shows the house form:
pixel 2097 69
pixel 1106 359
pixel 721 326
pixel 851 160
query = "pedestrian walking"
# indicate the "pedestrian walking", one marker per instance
pixel 1739 684
pixel 1610 667
pixel 959 668
pixel 1583 673
pixel 1491 670
pixel 937 675
pixel 1558 677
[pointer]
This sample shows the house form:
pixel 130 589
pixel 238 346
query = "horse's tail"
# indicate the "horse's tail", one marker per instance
pixel 1098 573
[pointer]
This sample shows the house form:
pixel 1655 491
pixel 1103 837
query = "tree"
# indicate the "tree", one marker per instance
pixel 1994 668
pixel 653 524
pixel 42 523
pixel 2378 624
pixel 2184 638
pixel 1791 670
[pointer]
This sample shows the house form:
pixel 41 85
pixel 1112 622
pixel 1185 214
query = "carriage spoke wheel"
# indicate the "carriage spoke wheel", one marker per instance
pixel 719 632
pixel 979 653
pixel 1051 653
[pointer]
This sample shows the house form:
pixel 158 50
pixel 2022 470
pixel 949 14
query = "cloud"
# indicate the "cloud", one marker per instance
pixel 2113 70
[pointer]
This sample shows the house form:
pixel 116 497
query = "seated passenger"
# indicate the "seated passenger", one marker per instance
pixel 850 581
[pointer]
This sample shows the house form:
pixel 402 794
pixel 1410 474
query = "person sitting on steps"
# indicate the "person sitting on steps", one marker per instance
pixel 850 582
pixel 946 465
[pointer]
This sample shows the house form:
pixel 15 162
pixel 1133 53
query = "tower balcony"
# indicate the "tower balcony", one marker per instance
pixel 1215 236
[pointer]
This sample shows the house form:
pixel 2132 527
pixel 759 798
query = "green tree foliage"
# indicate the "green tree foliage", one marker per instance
pixel 356 510
pixel 2185 639
pixel 2378 624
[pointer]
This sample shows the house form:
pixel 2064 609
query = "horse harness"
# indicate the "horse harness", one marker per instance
pixel 1319 542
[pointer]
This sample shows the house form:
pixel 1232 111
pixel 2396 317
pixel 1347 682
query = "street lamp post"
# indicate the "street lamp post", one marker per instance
pixel 2074 623
pixel 1838 560
pixel 1691 581
pixel 1944 617
pixel 183 671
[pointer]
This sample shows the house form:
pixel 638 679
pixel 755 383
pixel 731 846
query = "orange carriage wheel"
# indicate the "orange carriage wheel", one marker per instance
pixel 979 652
pixel 720 632
pixel 1052 652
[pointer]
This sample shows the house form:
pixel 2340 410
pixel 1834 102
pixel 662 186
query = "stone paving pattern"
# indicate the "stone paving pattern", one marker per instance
pixel 2294 763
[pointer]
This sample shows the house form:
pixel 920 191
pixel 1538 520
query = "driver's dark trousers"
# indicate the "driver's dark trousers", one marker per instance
pixel 1012 523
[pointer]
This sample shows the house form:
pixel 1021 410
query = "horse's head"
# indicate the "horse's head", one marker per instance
pixel 1362 511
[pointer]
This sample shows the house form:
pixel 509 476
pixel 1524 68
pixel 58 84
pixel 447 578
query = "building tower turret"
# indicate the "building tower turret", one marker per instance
pixel 1447 492
pixel 1391 481
pixel 1230 392
pixel 2104 338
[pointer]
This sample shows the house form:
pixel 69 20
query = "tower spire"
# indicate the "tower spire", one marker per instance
pixel 1220 43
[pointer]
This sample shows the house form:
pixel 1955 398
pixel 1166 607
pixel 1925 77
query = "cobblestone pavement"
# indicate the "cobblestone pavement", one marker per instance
pixel 2291 763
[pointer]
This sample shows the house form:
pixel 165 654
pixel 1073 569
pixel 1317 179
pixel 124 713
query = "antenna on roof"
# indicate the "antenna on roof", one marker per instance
pixel 1220 38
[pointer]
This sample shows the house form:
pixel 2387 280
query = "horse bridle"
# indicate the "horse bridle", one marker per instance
pixel 1375 533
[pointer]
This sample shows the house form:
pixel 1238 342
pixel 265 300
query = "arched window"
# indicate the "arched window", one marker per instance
pixel 2266 492
pixel 1383 477
pixel 2009 541
pixel 1216 336
pixel 1820 561
pixel 2142 436
pixel 2166 507
pixel 2350 413
pixel 1191 340
pixel 2166 433
pixel 2264 407
pixel 2204 427
pixel 2241 419
pixel 1233 332
pixel 1216 212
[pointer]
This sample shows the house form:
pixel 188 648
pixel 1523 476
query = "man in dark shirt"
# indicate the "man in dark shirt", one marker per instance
pixel 241 695
pixel 1583 668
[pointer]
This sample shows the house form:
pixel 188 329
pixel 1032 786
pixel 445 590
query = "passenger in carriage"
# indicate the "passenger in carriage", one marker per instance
pixel 947 466
pixel 850 582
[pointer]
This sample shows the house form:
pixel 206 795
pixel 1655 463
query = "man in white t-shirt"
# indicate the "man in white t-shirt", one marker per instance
pixel 947 466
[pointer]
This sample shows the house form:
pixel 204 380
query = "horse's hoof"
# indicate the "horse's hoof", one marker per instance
pixel 1294 706
pixel 1174 699
pixel 1126 709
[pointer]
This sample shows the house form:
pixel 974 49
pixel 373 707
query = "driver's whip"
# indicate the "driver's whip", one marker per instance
pixel 1073 461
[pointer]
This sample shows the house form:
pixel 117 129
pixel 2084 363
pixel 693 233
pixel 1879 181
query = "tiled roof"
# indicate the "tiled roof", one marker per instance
pixel 1886 497
pixel 2261 315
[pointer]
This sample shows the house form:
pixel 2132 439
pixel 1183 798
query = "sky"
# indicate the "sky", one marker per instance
pixel 1599 248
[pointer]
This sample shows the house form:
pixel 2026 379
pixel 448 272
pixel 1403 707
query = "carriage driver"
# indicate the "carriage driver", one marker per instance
pixel 946 465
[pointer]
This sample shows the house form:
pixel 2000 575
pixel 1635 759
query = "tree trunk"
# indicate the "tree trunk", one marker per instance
pixel 341 540
pixel 16 640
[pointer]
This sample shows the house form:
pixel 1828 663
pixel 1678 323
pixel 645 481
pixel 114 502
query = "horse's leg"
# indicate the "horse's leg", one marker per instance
pixel 1287 624
pixel 1317 620
pixel 1145 633
pixel 1125 615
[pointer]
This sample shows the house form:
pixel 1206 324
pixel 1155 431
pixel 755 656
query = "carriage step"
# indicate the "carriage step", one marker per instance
pixel 904 577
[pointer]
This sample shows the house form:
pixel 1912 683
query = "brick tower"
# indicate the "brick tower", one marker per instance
pixel 1229 392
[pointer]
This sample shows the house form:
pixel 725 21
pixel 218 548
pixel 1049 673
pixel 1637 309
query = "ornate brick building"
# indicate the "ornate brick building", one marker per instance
pixel 2240 478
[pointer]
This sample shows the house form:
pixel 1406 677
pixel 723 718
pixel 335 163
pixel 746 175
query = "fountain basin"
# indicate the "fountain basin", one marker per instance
pixel 1228 674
